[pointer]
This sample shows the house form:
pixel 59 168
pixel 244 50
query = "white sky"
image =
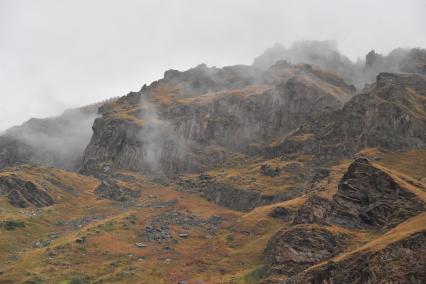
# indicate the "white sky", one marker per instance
pixel 56 54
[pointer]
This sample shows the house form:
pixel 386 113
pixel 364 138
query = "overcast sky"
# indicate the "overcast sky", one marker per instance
pixel 56 54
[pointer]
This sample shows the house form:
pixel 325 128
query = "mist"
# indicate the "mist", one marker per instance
pixel 57 141
pixel 158 134
pixel 56 55
pixel 326 55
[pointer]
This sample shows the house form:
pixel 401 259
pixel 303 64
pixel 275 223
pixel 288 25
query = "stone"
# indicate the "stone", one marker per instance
pixel 290 251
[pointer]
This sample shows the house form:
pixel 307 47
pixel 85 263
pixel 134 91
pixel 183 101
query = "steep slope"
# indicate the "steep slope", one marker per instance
pixel 392 115
pixel 190 121
pixel 398 256
pixel 331 226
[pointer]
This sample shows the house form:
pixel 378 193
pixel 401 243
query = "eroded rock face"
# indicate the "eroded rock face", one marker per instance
pixel 234 198
pixel 400 262
pixel 291 251
pixel 112 140
pixel 22 193
pixel 315 210
pixel 368 197
pixel 167 126
pixel 390 115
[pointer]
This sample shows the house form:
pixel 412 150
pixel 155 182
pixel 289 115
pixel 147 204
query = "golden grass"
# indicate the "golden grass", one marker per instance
pixel 234 253
pixel 253 90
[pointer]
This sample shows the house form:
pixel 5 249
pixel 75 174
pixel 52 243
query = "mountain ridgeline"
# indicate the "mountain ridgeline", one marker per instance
pixel 303 167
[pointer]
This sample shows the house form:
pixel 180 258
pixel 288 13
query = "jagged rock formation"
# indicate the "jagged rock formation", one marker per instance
pixel 400 262
pixel 315 210
pixel 367 197
pixel 391 115
pixel 232 197
pixel 291 251
pixel 164 127
pixel 22 193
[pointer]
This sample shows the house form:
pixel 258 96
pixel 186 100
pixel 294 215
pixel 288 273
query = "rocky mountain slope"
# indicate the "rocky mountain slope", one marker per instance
pixel 272 173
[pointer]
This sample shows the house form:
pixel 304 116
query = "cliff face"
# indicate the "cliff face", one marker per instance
pixel 390 115
pixel 162 128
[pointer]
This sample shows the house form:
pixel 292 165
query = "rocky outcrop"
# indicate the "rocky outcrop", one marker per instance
pixel 232 197
pixel 392 115
pixel 399 262
pixel 368 197
pixel 114 144
pixel 165 128
pixel 22 193
pixel 111 189
pixel 291 251
pixel 243 200
pixel 315 210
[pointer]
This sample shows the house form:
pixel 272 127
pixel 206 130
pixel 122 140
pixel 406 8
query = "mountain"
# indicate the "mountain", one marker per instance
pixel 278 172
pixel 326 55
